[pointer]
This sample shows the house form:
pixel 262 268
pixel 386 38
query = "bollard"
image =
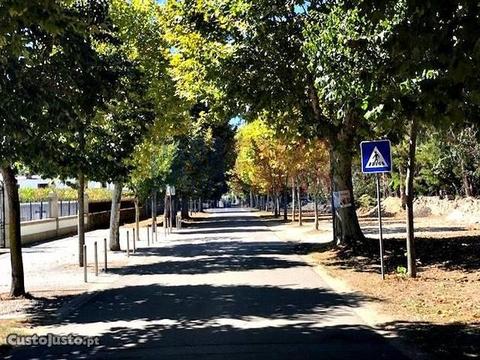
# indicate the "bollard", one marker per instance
pixel 85 262
pixel 148 235
pixel 105 258
pixel 134 245
pixel 179 221
pixel 96 258
pixel 128 243
pixel 153 233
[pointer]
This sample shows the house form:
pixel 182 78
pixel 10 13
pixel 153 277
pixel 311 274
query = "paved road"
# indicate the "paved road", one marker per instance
pixel 225 289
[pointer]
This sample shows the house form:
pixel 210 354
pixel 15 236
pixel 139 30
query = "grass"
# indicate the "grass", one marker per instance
pixel 9 326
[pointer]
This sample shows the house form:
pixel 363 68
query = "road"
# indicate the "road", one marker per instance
pixel 227 288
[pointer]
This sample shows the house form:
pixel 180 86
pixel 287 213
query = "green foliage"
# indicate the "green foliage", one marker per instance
pixel 88 110
pixel 34 195
pixel 151 166
pixel 401 270
pixel 366 201
pixel 203 160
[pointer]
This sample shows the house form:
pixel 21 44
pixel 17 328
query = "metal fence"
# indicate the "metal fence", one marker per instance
pixel 2 216
pixel 67 208
pixel 34 211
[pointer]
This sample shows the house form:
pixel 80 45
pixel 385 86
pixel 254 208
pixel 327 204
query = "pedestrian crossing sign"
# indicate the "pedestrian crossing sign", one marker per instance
pixel 376 156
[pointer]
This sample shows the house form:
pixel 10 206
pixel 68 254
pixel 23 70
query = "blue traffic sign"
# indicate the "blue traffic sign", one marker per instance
pixel 376 156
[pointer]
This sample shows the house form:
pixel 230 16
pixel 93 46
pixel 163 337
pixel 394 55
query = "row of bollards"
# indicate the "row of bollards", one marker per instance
pixel 154 232
pixel 95 251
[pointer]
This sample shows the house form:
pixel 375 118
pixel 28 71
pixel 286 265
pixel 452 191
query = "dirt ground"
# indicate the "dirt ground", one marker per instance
pixel 439 311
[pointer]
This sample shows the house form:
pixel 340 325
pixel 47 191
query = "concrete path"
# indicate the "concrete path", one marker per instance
pixel 227 288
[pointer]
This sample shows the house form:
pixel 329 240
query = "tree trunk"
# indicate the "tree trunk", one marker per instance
pixel 315 199
pixel 81 216
pixel 137 216
pixel 115 216
pixel 346 227
pixel 285 203
pixel 173 211
pixel 154 211
pixel 185 214
pixel 300 214
pixel 200 205
pixel 293 200
pixel 467 185
pixel 275 206
pixel 166 212
pixel 17 287
pixel 411 262
pixel 402 187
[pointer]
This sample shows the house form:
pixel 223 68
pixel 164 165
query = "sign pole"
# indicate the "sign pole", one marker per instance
pixel 380 230
pixel 377 159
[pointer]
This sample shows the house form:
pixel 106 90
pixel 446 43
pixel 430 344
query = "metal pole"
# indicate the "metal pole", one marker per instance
pixel 96 258
pixel 128 243
pixel 105 267
pixel 380 231
pixel 85 262
pixel 156 231
pixel 171 213
pixel 134 245
pixel 148 235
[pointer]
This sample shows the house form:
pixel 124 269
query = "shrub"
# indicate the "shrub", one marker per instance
pixel 366 201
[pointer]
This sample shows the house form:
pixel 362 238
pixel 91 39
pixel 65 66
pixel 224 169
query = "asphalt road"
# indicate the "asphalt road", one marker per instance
pixel 227 288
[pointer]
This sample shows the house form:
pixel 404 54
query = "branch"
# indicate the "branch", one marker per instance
pixel 323 126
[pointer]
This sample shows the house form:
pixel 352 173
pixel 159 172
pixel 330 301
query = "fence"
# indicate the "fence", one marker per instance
pixel 34 211
pixel 67 208
pixel 46 220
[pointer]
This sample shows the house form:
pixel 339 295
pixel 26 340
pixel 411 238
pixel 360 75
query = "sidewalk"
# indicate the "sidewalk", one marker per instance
pixel 52 271
pixel 291 231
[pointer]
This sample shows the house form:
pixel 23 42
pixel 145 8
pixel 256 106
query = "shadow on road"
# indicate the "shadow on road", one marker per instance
pixel 244 322
pixel 170 325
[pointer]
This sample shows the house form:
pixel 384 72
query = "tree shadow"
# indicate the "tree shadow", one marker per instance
pixel 441 341
pixel 401 229
pixel 223 230
pixel 243 322
pixel 453 253
pixel 230 248
pixel 215 264
pixel 218 322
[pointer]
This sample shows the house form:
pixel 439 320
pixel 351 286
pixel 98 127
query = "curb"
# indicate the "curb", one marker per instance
pixel 367 313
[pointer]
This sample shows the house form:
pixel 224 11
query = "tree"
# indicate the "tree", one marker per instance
pixel 262 160
pixel 316 173
pixel 431 58
pixel 30 32
pixel 151 165
pixel 104 104
pixel 254 51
